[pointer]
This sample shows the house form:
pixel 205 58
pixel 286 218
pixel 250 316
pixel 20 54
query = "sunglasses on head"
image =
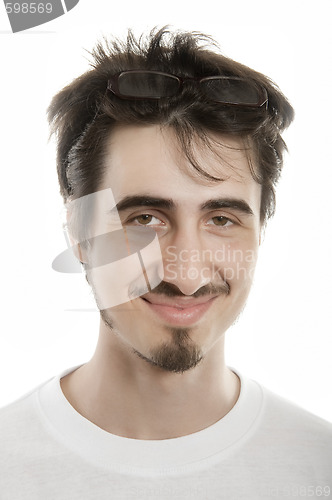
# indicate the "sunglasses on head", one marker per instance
pixel 229 90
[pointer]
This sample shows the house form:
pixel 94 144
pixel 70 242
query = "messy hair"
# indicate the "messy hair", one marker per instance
pixel 84 113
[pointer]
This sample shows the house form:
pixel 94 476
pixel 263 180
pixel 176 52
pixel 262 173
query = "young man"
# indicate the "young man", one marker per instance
pixel 168 155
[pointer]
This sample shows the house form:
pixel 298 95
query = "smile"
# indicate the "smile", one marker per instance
pixel 178 311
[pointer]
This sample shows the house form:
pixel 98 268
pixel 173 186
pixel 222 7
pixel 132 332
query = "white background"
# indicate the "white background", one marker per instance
pixel 283 338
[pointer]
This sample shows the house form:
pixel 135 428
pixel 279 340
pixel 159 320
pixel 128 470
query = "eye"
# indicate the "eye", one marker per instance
pixel 145 220
pixel 221 221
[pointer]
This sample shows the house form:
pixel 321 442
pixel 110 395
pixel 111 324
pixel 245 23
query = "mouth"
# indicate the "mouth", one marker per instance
pixel 181 311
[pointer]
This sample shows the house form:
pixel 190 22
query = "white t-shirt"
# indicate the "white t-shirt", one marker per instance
pixel 264 448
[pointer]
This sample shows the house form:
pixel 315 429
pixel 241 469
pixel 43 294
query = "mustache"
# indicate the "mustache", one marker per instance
pixel 170 290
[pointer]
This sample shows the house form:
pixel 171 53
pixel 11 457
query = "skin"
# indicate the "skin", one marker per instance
pixel 121 389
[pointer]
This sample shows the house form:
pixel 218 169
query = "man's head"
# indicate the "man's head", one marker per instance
pixel 197 169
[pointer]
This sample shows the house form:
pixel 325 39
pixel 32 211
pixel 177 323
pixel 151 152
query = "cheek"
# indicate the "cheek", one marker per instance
pixel 134 328
pixel 123 266
pixel 127 322
pixel 236 262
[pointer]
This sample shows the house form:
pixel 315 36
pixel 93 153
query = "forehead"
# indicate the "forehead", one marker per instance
pixel 149 160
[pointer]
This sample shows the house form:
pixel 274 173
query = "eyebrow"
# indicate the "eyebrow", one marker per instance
pixel 234 203
pixel 168 204
pixel 144 201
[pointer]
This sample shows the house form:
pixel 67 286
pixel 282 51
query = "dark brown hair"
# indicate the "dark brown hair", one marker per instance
pixel 83 114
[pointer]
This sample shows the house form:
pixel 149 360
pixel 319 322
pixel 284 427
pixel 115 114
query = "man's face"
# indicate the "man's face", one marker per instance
pixel 208 234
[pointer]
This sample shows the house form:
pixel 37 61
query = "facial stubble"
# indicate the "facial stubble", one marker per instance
pixel 177 356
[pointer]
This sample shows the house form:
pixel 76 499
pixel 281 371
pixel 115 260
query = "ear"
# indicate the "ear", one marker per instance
pixel 79 253
pixel 74 244
pixel 261 234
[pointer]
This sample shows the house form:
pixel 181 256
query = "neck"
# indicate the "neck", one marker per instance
pixel 125 395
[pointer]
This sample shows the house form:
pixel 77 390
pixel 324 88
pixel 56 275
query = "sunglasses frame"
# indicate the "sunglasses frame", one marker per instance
pixel 113 86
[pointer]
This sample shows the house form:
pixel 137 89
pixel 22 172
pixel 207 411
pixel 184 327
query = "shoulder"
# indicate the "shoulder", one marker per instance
pixel 288 428
pixel 23 422
pixel 19 418
pixel 288 441
pixel 22 427
pixel 284 413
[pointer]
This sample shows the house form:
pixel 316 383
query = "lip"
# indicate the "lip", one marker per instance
pixel 181 312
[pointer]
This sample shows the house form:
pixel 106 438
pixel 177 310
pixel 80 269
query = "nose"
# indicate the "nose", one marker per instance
pixel 187 264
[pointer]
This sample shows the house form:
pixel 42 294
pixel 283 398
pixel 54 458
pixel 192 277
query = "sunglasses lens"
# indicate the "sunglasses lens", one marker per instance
pixel 147 85
pixel 232 91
